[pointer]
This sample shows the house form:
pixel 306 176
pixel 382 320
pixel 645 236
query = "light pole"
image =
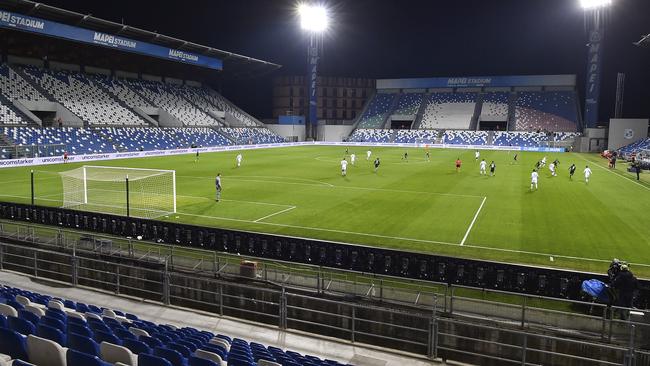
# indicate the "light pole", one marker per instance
pixel 596 12
pixel 314 20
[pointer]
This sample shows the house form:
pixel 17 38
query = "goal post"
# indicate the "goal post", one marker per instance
pixel 145 193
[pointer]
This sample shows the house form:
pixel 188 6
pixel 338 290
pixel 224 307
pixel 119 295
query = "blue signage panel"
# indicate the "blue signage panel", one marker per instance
pixel 594 61
pixel 49 28
pixel 313 71
pixel 478 81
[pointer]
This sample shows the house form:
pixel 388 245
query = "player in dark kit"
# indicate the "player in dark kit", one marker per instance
pixel 572 169
pixel 492 168
pixel 377 162
pixel 217 186
pixel 406 156
pixel 515 159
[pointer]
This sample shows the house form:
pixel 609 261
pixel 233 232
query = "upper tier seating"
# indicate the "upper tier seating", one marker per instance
pixel 413 136
pixel 248 136
pixel 408 103
pixel 520 138
pixel 215 99
pixel 9 117
pixel 465 137
pixel 170 98
pixel 631 150
pixel 449 110
pixel 77 140
pixel 370 135
pixel 83 97
pixel 377 111
pixel 122 91
pixel 495 104
pixel 87 335
pixel 136 139
pixel 13 86
pixel 563 136
pixel 546 110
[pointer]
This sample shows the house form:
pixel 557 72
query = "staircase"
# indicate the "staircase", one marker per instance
pixel 423 107
pixel 393 105
pixel 511 111
pixel 19 70
pixel 478 108
pixel 393 136
pixel 224 134
pixel 490 138
pixel 122 103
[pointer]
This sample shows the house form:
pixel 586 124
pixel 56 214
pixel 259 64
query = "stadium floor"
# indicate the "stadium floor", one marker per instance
pixel 412 205
pixel 344 352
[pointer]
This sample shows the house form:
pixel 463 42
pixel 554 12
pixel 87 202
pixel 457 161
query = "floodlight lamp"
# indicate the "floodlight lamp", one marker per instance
pixel 594 4
pixel 313 18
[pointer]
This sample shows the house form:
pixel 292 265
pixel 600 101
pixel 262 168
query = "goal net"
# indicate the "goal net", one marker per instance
pixel 145 193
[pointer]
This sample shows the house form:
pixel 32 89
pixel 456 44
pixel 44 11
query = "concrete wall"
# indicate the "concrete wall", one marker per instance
pixel 289 130
pixel 126 74
pixel 97 70
pixel 152 77
pixel 624 131
pixel 68 118
pixel 25 61
pixel 334 132
pixel 55 65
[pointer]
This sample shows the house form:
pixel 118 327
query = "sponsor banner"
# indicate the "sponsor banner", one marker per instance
pixel 594 66
pixel 54 29
pixel 10 163
pixel 478 81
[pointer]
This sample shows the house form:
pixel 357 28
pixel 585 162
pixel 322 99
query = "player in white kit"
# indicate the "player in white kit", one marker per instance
pixel 344 167
pixel 353 157
pixel 543 162
pixel 587 174
pixel 551 167
pixel 238 158
pixel 533 179
pixel 477 154
pixel 483 166
pixel 368 153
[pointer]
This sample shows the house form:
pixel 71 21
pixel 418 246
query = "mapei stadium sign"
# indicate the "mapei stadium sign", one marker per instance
pixel 478 82
pixel 26 23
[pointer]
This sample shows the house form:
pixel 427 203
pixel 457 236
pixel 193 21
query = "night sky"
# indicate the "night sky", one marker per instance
pixel 406 38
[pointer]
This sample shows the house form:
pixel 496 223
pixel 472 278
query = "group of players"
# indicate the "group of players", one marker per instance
pixel 534 176
pixel 353 159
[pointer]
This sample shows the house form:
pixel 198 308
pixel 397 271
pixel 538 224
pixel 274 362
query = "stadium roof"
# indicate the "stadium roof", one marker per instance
pixel 234 64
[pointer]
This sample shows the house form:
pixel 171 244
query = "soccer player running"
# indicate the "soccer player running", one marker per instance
pixel 492 168
pixel 477 154
pixel 458 164
pixel 483 166
pixel 572 170
pixel 368 153
pixel 533 179
pixel 514 161
pixel 238 158
pixel 344 167
pixel 587 172
pixel 543 162
pixel 427 156
pixel 353 158
pixel 196 158
pixel 377 162
pixel 551 167
pixel 217 184
pixel 406 156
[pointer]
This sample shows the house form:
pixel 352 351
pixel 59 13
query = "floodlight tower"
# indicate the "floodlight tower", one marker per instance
pixel 314 19
pixel 596 14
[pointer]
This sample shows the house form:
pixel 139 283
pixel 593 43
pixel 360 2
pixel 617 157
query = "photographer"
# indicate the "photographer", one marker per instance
pixel 625 284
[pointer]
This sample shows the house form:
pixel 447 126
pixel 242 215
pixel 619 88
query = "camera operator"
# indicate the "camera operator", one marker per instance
pixel 625 284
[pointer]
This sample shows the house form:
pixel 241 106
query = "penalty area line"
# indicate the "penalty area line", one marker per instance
pixel 462 242
pixel 275 213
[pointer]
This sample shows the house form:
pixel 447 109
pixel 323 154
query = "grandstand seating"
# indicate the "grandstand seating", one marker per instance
pixel 84 97
pixel 69 333
pixel 224 105
pixel 76 140
pixel 563 136
pixel 495 104
pixel 247 136
pixel 9 117
pixel 408 103
pixel 546 110
pixel 377 111
pixel 449 110
pixel 371 135
pixel 13 86
pixel 520 138
pixel 413 136
pixel 631 150
pixel 135 139
pixel 465 137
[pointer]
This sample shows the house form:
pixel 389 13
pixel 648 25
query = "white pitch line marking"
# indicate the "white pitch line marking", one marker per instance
pixel 275 213
pixel 606 169
pixel 462 242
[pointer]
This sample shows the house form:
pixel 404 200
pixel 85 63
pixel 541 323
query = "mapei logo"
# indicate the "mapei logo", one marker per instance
pixel 628 134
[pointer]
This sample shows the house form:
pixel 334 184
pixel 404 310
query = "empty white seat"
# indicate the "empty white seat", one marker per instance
pixel 22 300
pixel 74 314
pixel 206 355
pixel 113 353
pixel 44 352
pixel 220 342
pixel 36 310
pixel 109 313
pixel 8 310
pixel 55 304
pixel 93 315
pixel 138 332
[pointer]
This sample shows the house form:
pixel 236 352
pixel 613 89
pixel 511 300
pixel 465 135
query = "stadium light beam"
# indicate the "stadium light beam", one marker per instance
pixel 313 18
pixel 593 4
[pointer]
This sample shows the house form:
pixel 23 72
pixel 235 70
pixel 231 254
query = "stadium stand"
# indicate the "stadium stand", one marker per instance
pixel 564 136
pixel 13 86
pixel 83 97
pixel 377 111
pixel 495 104
pixel 250 136
pixel 629 151
pixel 408 103
pixel 226 106
pixel 546 111
pixel 520 138
pixel 465 137
pixel 75 140
pixel 413 136
pixel 135 139
pixel 8 116
pixel 449 110
pixel 371 135
pixel 34 326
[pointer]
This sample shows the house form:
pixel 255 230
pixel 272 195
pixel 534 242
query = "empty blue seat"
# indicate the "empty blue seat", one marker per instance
pixel 100 337
pixel 70 304
pixel 82 308
pixel 76 358
pixel 21 363
pixel 136 346
pixel 98 325
pixel 123 334
pixel 74 320
pixel 183 350
pixel 83 344
pixel 131 316
pixel 15 304
pixel 80 329
pixel 51 333
pixel 56 313
pixel 13 344
pixel 94 309
pixel 151 360
pixel 22 326
pixel 189 344
pixel 52 322
pixel 3 321
pixel 174 357
pixel 153 342
pixel 29 316
pixel 196 361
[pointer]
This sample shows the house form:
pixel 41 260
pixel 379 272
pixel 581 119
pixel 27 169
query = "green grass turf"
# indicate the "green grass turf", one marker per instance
pixel 415 205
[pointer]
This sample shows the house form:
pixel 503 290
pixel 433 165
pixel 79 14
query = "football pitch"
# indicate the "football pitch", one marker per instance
pixel 413 204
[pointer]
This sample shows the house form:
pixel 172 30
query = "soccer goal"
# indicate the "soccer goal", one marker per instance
pixel 146 193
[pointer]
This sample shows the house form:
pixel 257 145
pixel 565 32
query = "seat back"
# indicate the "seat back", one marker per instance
pixel 45 352
pixel 83 344
pixel 74 357
pixel 22 300
pixel 113 353
pixel 7 310
pixel 35 310
pixel 52 322
pixel 197 361
pixel 174 357
pixel 51 333
pixel 29 316
pixel 207 355
pixel 136 346
pixel 138 332
pixel 124 334
pixel 12 344
pixel 100 337
pixel 80 329
pixel 220 342
pixel 55 304
pixel 20 325
pixel 151 341
pixel 151 360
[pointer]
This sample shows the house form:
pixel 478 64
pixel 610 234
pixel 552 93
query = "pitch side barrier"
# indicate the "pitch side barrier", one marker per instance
pixel 479 274
pixel 9 163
